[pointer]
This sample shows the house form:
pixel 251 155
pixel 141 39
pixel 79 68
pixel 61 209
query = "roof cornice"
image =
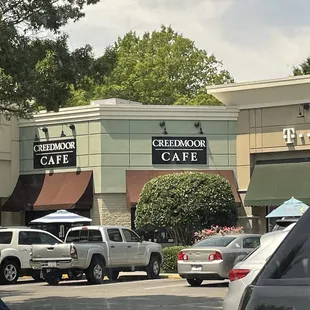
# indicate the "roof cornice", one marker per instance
pixel 97 111
pixel 288 81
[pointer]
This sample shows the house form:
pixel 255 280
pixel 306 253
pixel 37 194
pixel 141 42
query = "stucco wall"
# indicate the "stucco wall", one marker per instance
pixel 110 147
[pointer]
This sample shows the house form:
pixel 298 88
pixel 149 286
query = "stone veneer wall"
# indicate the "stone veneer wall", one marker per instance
pixel 110 209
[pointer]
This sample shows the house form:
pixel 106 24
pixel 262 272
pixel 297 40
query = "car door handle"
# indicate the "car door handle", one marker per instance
pixel 129 246
pixel 51 248
pixel 24 250
pixel 112 246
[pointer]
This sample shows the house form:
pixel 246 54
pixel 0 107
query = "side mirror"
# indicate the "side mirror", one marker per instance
pixel 141 238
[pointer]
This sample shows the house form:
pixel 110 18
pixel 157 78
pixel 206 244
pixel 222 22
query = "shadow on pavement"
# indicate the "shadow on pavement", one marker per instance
pixel 162 302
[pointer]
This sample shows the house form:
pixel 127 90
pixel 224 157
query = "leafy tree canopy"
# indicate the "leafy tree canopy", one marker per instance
pixel 303 68
pixel 38 72
pixel 162 67
pixel 185 202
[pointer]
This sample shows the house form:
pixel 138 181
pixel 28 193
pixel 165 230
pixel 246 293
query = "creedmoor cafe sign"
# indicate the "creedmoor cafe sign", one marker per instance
pixel 57 153
pixel 179 150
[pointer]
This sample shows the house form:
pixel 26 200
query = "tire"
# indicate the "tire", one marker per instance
pixel 113 275
pixel 194 282
pixel 153 268
pixel 9 272
pixel 95 272
pixel 36 276
pixel 53 278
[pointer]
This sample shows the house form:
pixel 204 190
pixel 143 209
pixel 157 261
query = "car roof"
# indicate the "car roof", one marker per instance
pixel 98 227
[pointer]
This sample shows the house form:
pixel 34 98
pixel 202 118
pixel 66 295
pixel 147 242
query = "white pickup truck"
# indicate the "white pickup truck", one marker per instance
pixel 97 251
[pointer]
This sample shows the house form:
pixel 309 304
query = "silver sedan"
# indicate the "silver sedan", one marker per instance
pixel 214 257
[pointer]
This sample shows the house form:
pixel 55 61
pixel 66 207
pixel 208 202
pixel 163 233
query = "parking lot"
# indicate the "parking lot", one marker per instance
pixel 134 293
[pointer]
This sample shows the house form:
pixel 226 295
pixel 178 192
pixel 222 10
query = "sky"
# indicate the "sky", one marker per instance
pixel 255 39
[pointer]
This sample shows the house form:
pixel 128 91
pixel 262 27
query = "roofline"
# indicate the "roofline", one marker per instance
pixel 127 110
pixel 292 80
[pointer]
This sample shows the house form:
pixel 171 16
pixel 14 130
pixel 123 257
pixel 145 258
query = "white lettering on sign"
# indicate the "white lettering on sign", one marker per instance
pixel 289 135
pixel 60 146
pixel 50 160
pixel 179 143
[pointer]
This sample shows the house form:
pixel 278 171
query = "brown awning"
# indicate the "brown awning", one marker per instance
pixel 135 180
pixel 65 190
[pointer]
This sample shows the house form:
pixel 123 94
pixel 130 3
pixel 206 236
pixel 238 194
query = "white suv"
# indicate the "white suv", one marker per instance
pixel 15 245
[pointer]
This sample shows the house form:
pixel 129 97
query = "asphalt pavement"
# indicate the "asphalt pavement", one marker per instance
pixel 128 293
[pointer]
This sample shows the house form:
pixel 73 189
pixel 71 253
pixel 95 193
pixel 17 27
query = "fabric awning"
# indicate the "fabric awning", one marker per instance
pixel 65 190
pixel 135 180
pixel 272 184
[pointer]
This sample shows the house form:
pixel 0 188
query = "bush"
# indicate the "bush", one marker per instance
pixel 171 258
pixel 184 203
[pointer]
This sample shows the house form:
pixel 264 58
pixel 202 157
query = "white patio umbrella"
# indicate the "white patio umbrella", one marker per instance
pixel 61 216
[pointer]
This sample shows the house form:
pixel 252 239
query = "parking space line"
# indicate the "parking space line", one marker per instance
pixel 165 286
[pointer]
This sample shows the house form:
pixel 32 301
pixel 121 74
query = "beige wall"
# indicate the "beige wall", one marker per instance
pixel 261 131
pixel 260 137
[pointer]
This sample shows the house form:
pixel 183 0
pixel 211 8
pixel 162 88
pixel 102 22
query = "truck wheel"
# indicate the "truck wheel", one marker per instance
pixel 53 278
pixel 95 272
pixel 194 282
pixel 9 272
pixel 153 268
pixel 36 276
pixel 113 275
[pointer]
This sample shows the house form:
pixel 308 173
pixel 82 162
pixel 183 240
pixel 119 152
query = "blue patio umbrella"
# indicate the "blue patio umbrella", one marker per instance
pixel 290 208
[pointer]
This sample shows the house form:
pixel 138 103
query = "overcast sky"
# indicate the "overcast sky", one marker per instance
pixel 255 39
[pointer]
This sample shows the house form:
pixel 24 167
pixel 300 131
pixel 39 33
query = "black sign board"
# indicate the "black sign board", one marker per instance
pixel 179 150
pixel 57 153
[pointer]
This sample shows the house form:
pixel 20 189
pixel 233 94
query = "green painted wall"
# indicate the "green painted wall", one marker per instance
pixel 110 147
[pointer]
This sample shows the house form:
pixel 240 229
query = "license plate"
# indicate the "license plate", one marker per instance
pixel 196 268
pixel 52 264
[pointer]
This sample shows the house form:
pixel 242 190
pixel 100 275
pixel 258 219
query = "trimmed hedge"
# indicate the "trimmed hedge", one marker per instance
pixel 171 258
pixel 184 203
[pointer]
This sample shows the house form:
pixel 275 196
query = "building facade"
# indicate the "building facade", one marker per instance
pixel 94 160
pixel 273 144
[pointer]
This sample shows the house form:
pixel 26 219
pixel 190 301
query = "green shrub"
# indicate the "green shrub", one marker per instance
pixel 184 203
pixel 170 264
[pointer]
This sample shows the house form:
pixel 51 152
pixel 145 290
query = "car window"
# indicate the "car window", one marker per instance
pixel 29 238
pixel 87 235
pixel 290 263
pixel 215 241
pixel 251 242
pixel 73 236
pixel 115 235
pixel 95 236
pixel 130 236
pixel 47 239
pixel 6 237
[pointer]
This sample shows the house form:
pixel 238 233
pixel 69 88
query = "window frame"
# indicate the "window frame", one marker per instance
pixel 132 233
pixel 11 237
pixel 122 239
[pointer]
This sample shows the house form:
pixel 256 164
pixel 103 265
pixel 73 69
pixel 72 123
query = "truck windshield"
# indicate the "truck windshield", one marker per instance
pixel 89 235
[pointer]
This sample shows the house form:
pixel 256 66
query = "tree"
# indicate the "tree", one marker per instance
pixel 303 68
pixel 162 67
pixel 34 15
pixel 38 72
pixel 186 202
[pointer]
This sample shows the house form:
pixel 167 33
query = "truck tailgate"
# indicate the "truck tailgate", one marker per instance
pixel 43 252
